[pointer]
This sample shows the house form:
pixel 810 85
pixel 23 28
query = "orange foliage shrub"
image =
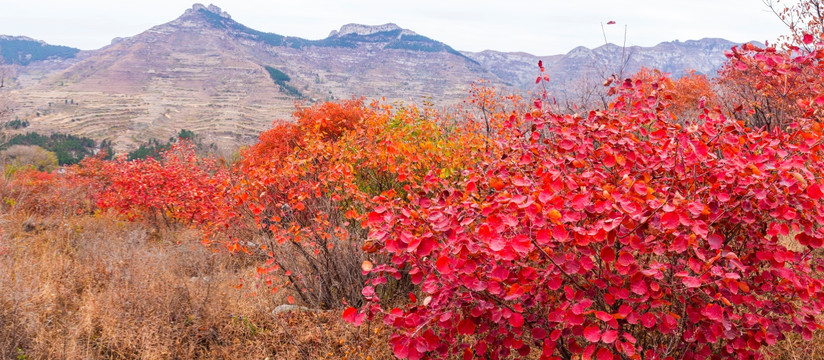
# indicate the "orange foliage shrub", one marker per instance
pixel 306 185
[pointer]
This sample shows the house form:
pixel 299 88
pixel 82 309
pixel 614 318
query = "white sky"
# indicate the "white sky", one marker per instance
pixel 545 27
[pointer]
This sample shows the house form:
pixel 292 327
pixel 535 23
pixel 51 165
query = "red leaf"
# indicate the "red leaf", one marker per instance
pixel 592 333
pixel 807 39
pixel 679 244
pixel 444 265
pixel 548 348
pixel 426 246
pixel 608 161
pixel 639 287
pixel 648 320
pixel 691 282
pixel 466 327
pixel 374 218
pixel 608 254
pixel 626 259
pixel 624 310
pixel 495 241
pixel 522 244
pixel 580 306
pixel 497 244
pixel 485 233
pixel 814 191
pixel 543 237
pixel 351 315
pixel 605 317
pixel 695 208
pixel 604 354
pixel 715 241
pixel 713 312
pixel 670 220
pixel 468 355
pixel 545 196
pixel 609 336
pixel 580 201
pixel 516 320
pixel 554 283
pixel 559 233
pixel 640 188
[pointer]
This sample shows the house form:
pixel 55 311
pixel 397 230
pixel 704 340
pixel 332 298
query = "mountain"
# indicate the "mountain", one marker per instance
pixel 23 50
pixel 208 73
pixel 705 56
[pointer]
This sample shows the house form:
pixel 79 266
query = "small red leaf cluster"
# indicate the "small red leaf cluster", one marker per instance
pixel 624 233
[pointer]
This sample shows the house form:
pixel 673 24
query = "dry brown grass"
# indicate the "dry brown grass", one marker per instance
pixel 795 348
pixel 93 287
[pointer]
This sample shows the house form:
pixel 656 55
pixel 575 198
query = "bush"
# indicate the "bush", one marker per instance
pixel 22 156
pixel 619 233
pixel 177 188
pixel 307 185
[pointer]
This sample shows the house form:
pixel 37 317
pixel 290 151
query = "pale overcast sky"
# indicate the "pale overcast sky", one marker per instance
pixel 539 27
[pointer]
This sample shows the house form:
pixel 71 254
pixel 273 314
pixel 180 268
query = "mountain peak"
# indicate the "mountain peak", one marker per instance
pixel 211 8
pixel 363 30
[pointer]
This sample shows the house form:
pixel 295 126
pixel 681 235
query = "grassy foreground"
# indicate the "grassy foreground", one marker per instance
pixel 92 287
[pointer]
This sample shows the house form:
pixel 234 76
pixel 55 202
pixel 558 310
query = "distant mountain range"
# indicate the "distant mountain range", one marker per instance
pixel 210 74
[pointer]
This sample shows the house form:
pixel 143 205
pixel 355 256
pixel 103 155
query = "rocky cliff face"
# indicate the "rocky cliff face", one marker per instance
pixel 208 73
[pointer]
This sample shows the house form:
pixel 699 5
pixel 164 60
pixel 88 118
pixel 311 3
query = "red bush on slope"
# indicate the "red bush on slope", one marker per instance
pixel 617 234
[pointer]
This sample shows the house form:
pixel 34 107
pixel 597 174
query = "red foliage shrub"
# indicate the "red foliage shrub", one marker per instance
pixel 772 88
pixel 45 193
pixel 180 187
pixel 616 234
